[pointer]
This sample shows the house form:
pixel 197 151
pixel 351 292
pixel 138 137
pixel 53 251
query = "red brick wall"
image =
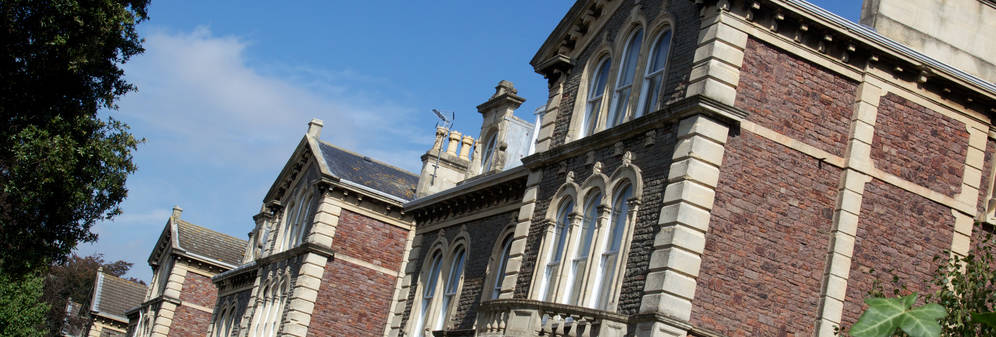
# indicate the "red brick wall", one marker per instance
pixel 767 242
pixel 355 300
pixel 352 301
pixel 198 289
pixel 919 145
pixel 189 322
pixel 361 237
pixel 898 231
pixel 795 98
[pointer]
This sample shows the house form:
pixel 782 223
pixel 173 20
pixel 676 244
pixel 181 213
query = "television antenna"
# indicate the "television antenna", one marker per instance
pixel 446 123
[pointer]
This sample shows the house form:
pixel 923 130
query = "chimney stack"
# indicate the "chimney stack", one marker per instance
pixel 315 128
pixel 177 211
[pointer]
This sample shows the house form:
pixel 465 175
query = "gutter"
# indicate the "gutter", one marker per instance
pixel 509 173
pixel 888 44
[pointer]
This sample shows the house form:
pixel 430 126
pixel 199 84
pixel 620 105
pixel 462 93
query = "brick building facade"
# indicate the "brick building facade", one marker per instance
pixel 700 168
pixel 181 296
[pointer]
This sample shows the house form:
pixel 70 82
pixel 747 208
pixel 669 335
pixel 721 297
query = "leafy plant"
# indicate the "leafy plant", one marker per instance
pixel 885 315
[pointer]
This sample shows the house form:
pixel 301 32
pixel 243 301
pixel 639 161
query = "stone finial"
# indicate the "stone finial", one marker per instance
pixel 570 177
pixel 627 158
pixel 596 168
pixel 466 143
pixel 504 87
pixel 440 133
pixel 454 143
pixel 177 211
pixel 315 128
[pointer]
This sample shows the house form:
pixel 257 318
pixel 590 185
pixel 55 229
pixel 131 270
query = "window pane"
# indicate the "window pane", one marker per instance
pixel 650 88
pixel 629 63
pixel 596 88
pixel 660 52
pixel 506 249
pixel 489 151
pixel 598 82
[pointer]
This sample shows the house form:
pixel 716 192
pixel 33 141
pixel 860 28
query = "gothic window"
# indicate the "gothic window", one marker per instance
pixel 499 268
pixel 654 78
pixel 596 90
pixel 579 262
pixel 489 152
pixel 269 307
pixel 594 241
pixel 428 291
pixel 559 244
pixel 610 255
pixel 219 322
pixel 162 277
pixel 624 82
pixel 294 221
pixel 452 286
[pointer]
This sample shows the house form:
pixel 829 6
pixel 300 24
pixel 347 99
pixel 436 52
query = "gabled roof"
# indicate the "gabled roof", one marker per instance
pixel 367 172
pixel 193 241
pixel 112 296
pixel 209 244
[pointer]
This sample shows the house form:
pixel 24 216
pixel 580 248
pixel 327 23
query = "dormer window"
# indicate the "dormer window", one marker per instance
pixel 596 90
pixel 624 82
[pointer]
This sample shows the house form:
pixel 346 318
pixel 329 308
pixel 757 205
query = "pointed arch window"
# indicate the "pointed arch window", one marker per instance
pixel 428 291
pixel 596 90
pixel 580 260
pixel 499 271
pixel 624 82
pixel 654 78
pixel 610 255
pixel 452 286
pixel 489 151
pixel 560 231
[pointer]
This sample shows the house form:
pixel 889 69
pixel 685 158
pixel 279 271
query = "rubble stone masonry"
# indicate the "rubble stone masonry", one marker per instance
pixel 356 290
pixel 766 247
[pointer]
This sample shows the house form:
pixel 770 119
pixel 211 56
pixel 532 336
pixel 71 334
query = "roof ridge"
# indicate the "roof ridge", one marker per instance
pixel 208 229
pixel 368 157
pixel 125 280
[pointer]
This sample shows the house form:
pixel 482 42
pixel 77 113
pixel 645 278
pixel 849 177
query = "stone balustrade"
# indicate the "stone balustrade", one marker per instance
pixel 519 317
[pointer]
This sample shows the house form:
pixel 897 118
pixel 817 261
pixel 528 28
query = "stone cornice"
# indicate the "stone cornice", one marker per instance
pixel 672 113
pixel 859 48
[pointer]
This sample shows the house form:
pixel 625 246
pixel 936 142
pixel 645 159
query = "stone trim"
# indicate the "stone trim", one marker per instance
pixel 399 299
pixel 365 264
pixel 520 235
pixel 718 58
pixel 848 208
pixel 304 293
pixel 684 220
pixel 197 307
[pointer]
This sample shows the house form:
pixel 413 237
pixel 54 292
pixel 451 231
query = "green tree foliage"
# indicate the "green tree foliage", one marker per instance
pixel 885 315
pixel 74 279
pixel 62 166
pixel 21 312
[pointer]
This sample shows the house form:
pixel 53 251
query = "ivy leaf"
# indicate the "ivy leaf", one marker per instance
pixel 922 321
pixel 882 317
pixel 987 318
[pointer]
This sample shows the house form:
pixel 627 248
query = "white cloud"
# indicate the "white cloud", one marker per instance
pixel 202 99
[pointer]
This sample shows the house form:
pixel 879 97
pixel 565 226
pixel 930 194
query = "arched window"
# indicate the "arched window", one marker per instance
pixel 559 244
pixel 499 271
pixel 452 286
pixel 289 218
pixel 219 323
pixel 596 89
pixel 488 154
pixel 262 312
pixel 279 299
pixel 298 232
pixel 580 260
pixel 428 292
pixel 610 257
pixel 624 83
pixel 654 78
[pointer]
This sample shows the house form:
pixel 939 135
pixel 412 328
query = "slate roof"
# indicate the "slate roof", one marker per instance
pixel 208 243
pixel 113 295
pixel 368 172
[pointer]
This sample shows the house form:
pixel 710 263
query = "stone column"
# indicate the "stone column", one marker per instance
pixel 518 248
pixel 718 58
pixel 684 220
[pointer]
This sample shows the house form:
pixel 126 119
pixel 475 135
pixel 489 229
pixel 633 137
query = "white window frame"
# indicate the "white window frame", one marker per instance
pixel 588 282
pixel 623 92
pixel 595 100
pixel 556 245
pixel 650 94
pixel 499 261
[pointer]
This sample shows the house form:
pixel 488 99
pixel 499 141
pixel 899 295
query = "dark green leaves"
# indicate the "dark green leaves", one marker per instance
pixel 987 318
pixel 885 315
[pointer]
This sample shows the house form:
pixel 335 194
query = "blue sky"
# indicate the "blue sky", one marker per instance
pixel 226 89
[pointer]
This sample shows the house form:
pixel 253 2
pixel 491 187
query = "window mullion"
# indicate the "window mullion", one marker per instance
pixel 594 261
pixel 573 236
